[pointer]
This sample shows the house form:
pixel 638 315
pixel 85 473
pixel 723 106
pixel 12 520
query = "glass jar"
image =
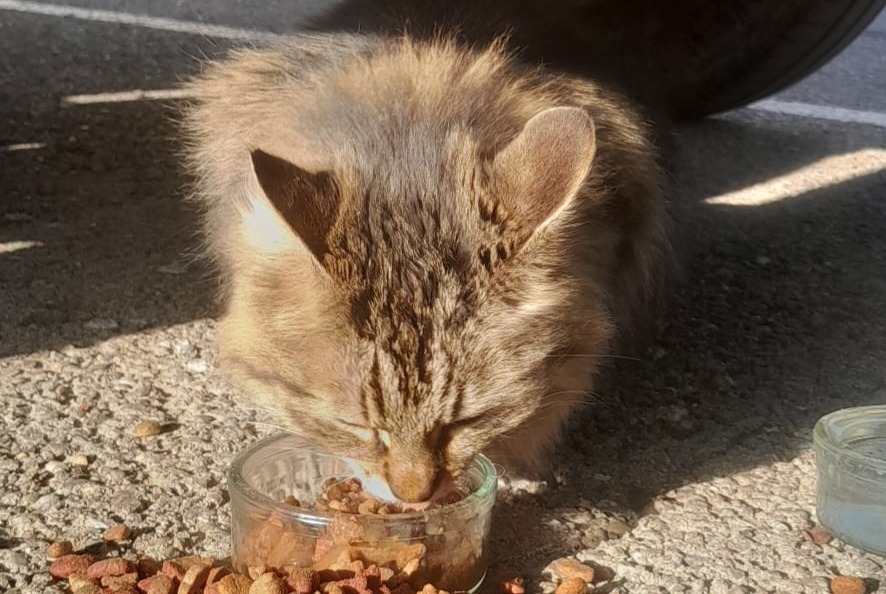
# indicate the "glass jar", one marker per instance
pixel 265 531
pixel 850 454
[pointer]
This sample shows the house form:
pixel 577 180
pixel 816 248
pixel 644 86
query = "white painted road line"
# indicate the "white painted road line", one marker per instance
pixel 124 96
pixel 16 246
pixel 138 20
pixel 821 112
pixel 830 171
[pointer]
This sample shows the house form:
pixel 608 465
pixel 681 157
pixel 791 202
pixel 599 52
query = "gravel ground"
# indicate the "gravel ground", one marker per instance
pixel 692 470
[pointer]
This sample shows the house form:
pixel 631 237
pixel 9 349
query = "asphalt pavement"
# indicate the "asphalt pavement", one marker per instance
pixel 692 472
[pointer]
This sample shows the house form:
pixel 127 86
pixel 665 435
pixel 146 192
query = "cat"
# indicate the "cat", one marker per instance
pixel 427 243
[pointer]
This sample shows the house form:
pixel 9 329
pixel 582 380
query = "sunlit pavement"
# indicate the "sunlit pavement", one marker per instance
pixel 692 474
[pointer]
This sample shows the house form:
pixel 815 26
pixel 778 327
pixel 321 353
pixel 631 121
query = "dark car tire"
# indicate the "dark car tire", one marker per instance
pixel 820 32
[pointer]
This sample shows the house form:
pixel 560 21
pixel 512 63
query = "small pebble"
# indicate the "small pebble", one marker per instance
pixel 146 429
pixel 78 460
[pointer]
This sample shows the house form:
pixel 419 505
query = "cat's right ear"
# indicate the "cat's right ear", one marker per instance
pixel 308 202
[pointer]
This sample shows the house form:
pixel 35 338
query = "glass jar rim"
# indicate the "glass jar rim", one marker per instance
pixel 824 437
pixel 239 486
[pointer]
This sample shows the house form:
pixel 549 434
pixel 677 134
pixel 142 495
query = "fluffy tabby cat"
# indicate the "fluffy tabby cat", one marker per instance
pixel 427 244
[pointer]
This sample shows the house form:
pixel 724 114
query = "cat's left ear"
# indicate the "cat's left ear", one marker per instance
pixel 308 201
pixel 539 173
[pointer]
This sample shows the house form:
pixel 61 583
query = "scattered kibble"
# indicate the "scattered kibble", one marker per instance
pixel 204 575
pixel 844 584
pixel 117 533
pixel 819 535
pixel 572 586
pixel 567 568
pixel 65 566
pixel 146 429
pixel 59 548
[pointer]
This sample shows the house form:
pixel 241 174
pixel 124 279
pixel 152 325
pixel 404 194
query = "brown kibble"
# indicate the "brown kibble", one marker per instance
pixel 146 429
pixel 411 566
pixel 819 535
pixel 513 586
pixel 78 583
pixel 233 584
pixel 157 584
pixel 570 568
pixel 215 574
pixel 86 588
pixel 337 505
pixel 292 501
pixel 190 560
pixel 368 506
pixel 148 566
pixel 572 586
pixel 173 570
pixel 120 582
pixel 385 574
pixel 300 580
pixel 194 579
pixel 267 583
pixel 108 567
pixel 117 533
pixel 59 548
pixel 64 566
pixel 844 584
pixel 254 571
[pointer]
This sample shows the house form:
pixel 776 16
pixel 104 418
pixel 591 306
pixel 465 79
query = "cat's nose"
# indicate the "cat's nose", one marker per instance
pixel 413 478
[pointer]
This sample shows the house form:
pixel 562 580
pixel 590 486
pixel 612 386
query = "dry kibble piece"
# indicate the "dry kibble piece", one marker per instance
pixel 64 566
pixel 819 535
pixel 157 584
pixel 117 533
pixel 148 566
pixel 194 579
pixel 189 561
pixel 570 568
pixel 385 573
pixel 337 505
pixel 300 580
pixel 87 588
pixel 572 586
pixel 267 583
pixel 173 570
pixel 233 584
pixel 256 570
pixel 215 574
pixel 429 589
pixel 120 582
pixel 82 585
pixel 146 429
pixel 59 548
pixel 107 567
pixel 368 506
pixel 844 584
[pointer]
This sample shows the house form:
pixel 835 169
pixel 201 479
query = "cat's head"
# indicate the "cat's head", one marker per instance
pixel 406 308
